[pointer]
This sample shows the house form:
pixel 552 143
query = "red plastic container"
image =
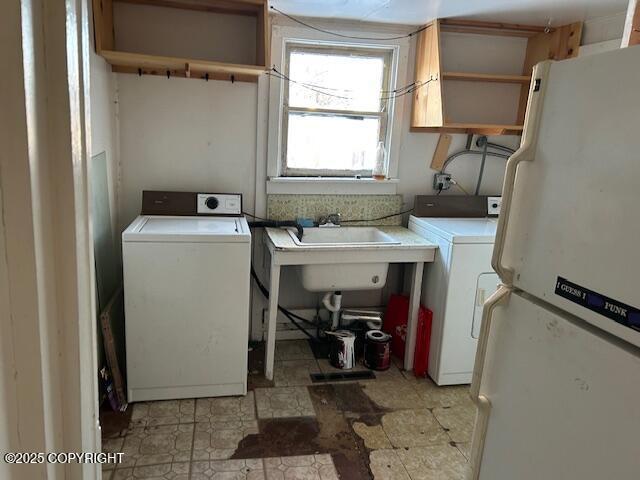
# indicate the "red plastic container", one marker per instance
pixel 423 341
pixel 395 324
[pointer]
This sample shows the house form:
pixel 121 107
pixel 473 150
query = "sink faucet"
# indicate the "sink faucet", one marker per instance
pixel 331 220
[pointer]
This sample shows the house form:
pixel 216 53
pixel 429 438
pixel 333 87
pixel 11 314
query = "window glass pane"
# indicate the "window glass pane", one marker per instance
pixel 331 142
pixel 351 82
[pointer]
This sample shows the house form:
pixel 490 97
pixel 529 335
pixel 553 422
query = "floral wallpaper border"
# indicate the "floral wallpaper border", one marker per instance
pixel 350 207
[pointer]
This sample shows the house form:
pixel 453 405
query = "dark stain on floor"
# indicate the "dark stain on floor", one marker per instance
pixel 351 398
pixel 329 432
pixel 114 424
pixel 369 419
pixel 351 458
pixel 349 469
pixel 280 437
pixel 335 434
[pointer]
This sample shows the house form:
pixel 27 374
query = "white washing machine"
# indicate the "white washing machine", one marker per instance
pixel 186 285
pixel 455 287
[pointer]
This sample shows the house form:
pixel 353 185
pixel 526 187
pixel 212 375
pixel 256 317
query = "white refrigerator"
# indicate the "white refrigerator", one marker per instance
pixel 557 372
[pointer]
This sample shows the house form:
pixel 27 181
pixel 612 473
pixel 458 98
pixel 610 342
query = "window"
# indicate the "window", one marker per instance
pixel 336 108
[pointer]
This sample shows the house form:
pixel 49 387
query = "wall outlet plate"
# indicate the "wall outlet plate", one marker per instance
pixel 441 181
pixel 493 205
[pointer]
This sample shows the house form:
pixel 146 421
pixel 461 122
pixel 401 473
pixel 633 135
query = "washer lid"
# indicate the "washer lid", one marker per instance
pixel 147 228
pixel 459 230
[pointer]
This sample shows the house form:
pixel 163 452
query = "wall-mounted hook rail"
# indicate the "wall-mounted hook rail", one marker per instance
pixel 124 62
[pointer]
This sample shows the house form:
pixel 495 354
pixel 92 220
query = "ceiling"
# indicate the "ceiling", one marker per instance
pixel 415 12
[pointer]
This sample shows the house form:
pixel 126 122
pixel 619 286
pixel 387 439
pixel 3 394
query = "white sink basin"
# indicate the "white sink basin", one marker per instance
pixel 342 237
pixel 344 276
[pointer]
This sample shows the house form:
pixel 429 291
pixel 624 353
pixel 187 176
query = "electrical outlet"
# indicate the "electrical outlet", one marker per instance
pixel 441 181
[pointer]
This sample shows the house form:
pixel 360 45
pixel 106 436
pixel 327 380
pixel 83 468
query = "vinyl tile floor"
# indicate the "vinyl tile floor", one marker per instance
pixel 395 426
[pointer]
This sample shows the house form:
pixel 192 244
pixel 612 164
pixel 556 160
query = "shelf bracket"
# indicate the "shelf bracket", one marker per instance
pixel 469 141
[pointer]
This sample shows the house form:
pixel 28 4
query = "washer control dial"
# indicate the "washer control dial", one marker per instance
pixel 212 203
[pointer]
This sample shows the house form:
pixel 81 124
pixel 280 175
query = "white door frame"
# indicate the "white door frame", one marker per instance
pixel 48 367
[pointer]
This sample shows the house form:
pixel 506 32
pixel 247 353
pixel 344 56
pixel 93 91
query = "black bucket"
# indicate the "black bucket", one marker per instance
pixel 377 351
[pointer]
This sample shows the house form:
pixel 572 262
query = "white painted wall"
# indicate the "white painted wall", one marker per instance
pixel 602 29
pixel 104 138
pixel 187 134
pixel 104 128
pixel 602 34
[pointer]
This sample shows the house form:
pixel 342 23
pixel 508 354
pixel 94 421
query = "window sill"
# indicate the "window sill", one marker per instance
pixel 331 186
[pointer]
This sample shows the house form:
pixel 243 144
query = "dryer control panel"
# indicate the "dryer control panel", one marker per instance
pixel 220 203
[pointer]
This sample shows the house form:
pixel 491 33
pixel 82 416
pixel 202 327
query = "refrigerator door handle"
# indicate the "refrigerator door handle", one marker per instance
pixel 479 435
pixel 481 401
pixel 481 351
pixel 525 153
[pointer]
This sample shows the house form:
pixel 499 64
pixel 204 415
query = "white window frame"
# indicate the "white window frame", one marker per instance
pixel 383 114
pixel 284 34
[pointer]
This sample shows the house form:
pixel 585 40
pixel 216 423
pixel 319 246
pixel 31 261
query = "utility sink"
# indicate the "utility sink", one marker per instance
pixel 342 237
pixel 343 276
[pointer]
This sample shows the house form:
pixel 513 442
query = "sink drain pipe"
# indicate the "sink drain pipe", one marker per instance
pixel 334 307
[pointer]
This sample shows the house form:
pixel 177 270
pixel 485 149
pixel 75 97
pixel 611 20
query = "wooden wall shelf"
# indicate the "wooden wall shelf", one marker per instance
pixel 138 63
pixel 491 28
pixel 430 112
pixel 486 77
pixel 473 128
